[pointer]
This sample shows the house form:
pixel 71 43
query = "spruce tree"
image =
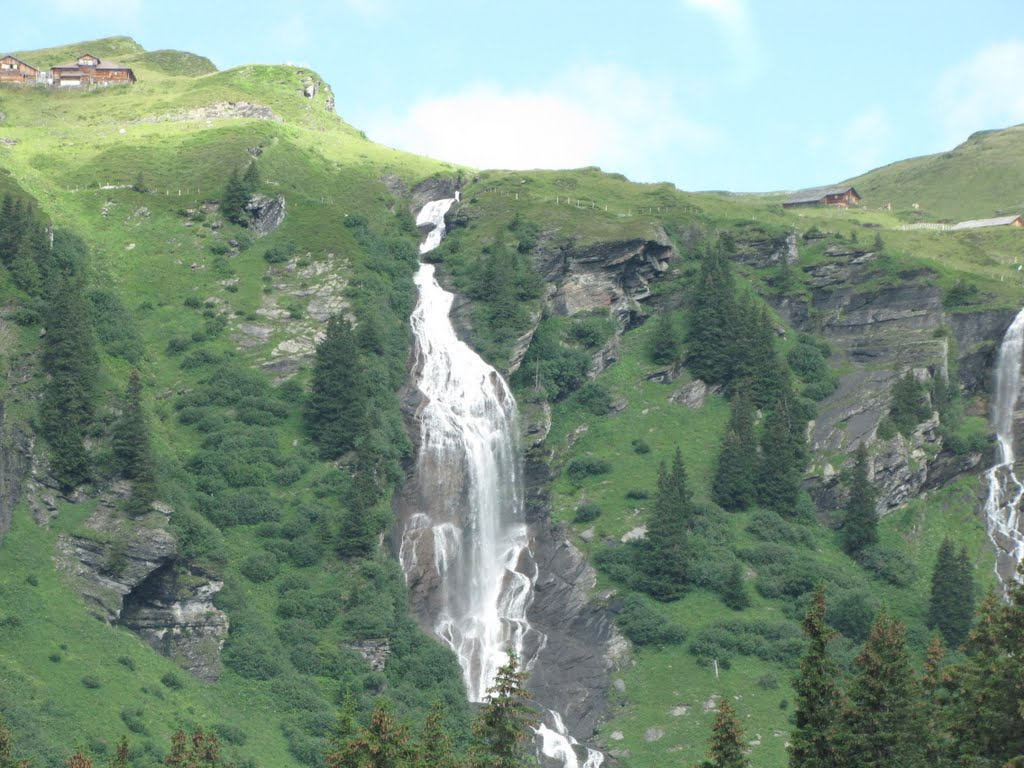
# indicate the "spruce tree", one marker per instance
pixel 336 410
pixel 132 448
pixel 755 365
pixel 234 199
pixel 988 699
pixel 384 743
pixel 909 405
pixel 7 759
pixel 502 727
pixel 860 527
pixel 727 739
pixel 783 457
pixel 733 487
pixel 881 724
pixel 664 344
pixel 711 336
pixel 667 551
pixel 251 179
pixel 435 749
pixel 951 603
pixel 817 694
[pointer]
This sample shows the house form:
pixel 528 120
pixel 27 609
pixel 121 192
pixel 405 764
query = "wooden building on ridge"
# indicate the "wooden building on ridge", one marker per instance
pixel 14 70
pixel 841 197
pixel 90 70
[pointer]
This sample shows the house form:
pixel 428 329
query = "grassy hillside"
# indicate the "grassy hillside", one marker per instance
pixel 218 321
pixel 978 179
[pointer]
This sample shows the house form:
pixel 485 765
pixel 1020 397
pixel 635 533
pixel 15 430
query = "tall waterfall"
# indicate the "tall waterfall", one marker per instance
pixel 1005 490
pixel 464 542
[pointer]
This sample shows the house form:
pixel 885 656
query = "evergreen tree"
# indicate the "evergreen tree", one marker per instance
pixel 860 527
pixel 733 486
pixel 7 759
pixel 783 457
pixel 384 743
pixel 132 448
pixel 881 725
pixel 987 711
pixel 667 552
pixel 336 410
pixel 121 754
pixel 436 748
pixel 502 728
pixel 664 344
pixel 817 694
pixel 251 179
pixel 734 588
pixel 951 604
pixel 70 361
pixel 909 405
pixel 711 335
pixel 197 749
pixel 937 742
pixel 79 760
pixel 755 364
pixel 727 739
pixel 234 199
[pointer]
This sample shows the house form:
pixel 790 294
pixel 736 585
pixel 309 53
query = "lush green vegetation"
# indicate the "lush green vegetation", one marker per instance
pixel 154 343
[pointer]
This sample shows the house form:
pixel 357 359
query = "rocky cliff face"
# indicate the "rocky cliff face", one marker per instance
pixel 879 325
pixel 128 572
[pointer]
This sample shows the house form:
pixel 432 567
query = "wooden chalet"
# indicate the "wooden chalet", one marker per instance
pixel 14 70
pixel 841 197
pixel 90 70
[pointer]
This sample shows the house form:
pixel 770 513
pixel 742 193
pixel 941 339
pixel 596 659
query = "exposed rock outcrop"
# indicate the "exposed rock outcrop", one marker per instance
pixel 128 572
pixel 267 213
pixel 222 110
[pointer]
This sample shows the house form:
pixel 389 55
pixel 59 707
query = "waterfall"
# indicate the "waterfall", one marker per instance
pixel 1005 490
pixel 464 542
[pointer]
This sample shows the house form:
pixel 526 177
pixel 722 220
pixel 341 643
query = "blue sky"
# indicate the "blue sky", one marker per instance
pixel 746 95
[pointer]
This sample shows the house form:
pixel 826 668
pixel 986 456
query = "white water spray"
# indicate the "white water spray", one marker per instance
pixel 466 546
pixel 1005 490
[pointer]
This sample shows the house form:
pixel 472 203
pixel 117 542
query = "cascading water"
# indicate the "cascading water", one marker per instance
pixel 464 543
pixel 1005 490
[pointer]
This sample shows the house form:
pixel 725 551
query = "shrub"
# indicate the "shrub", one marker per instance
pixel 769 682
pixel 32 580
pixel 252 655
pixel 172 680
pixel 259 566
pixel 641 622
pixel 852 612
pixel 193 302
pixel 640 446
pixel 819 390
pixel 638 494
pixel 619 562
pixel 772 527
pixel 132 718
pixel 587 512
pixel 55 657
pixel 127 662
pixel 586 466
pixel 778 641
pixel 230 734
pixel 595 398
pixel 887 563
pixel 277 254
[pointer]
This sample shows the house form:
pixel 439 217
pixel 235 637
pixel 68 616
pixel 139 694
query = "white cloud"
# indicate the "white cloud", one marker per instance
pixel 597 116
pixel 733 17
pixel 982 92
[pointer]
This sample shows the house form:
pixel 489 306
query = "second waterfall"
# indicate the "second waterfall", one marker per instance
pixel 464 541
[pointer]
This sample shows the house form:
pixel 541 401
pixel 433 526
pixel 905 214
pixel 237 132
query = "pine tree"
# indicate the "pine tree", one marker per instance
pixel 71 364
pixel 711 336
pixel 817 694
pixel 664 344
pixel 502 728
pixel 336 410
pixel 667 551
pixel 755 365
pixel 132 448
pixel 197 749
pixel 734 588
pixel 436 748
pixel 783 457
pixel 860 528
pixel 987 711
pixel 936 739
pixel 251 179
pixel 727 739
pixel 79 760
pixel 384 743
pixel 951 603
pixel 7 759
pixel 234 199
pixel 881 725
pixel 121 754
pixel 733 486
pixel 909 405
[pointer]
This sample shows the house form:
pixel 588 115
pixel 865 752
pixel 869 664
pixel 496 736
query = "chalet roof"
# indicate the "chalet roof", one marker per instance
pixel 814 194
pixel 100 65
pixel 8 56
pixel 999 221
